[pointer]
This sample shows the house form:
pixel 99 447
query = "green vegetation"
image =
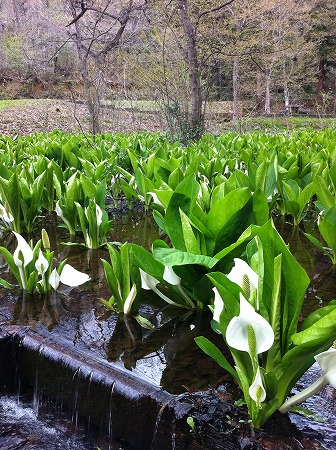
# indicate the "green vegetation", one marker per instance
pixel 282 124
pixel 213 201
pixel 4 104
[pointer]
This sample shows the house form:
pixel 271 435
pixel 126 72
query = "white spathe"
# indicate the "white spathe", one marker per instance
pixel 148 282
pixel 237 330
pixel 257 391
pixel 238 271
pixel 41 264
pixel 327 362
pixel 72 277
pixel 99 215
pixel 58 210
pixel 6 216
pixel 22 250
pixel 54 279
pixel 218 305
pixel 170 276
pixel 156 198
pixel 130 299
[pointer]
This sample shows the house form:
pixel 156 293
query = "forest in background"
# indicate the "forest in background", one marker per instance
pixel 253 57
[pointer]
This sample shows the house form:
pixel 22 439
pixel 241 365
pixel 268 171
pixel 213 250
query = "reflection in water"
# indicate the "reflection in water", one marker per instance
pixel 36 309
pixel 321 272
pixel 168 355
pixel 322 404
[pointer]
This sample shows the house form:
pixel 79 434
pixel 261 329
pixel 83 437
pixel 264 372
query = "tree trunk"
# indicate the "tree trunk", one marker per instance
pixel 196 119
pixel 286 88
pixel 268 93
pixel 235 74
pixel 259 92
pixel 320 82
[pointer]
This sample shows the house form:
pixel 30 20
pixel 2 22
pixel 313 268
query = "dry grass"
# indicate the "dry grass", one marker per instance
pixel 44 115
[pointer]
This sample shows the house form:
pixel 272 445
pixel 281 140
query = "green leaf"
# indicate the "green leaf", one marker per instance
pixel 308 414
pixel 315 241
pixel 247 235
pixel 328 232
pixel 146 261
pixel 322 331
pixel 270 244
pixel 190 241
pixel 5 284
pixel 125 270
pixel 89 188
pixel 274 354
pixel 145 323
pixel 317 315
pixel 10 261
pixel 225 208
pixel 172 257
pixel 113 283
pixel 180 200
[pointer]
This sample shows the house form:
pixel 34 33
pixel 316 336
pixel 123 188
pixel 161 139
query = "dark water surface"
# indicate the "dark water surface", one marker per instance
pixel 166 356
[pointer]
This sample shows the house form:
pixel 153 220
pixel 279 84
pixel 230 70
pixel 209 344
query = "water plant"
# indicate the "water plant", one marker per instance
pixel 132 268
pixel 119 274
pixel 269 351
pixel 33 268
pixel 212 201
pixel 68 192
pixel 21 196
pixel 94 224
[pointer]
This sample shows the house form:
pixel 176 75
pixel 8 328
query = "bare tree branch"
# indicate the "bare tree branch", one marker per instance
pixel 83 11
pixel 217 8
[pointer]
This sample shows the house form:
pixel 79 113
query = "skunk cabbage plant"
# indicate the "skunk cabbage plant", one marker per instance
pixel 269 351
pixel 33 268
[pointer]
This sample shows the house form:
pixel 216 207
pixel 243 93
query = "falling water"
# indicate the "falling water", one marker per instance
pixel 110 429
pixel 88 403
pixel 36 397
pixel 75 383
pixel 20 426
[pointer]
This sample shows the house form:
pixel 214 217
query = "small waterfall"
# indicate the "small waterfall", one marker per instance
pixel 157 429
pixel 74 392
pixel 75 384
pixel 110 428
pixel 88 402
pixel 37 393
pixel 16 354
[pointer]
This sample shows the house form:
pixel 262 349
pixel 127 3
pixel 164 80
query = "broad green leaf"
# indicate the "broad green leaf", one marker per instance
pixel 293 288
pixel 247 235
pixel 225 208
pixel 180 200
pixel 146 261
pixel 190 241
pixel 315 316
pixel 10 261
pixel 322 331
pixel 174 257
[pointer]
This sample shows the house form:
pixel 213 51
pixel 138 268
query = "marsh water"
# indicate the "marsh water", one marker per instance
pixel 165 356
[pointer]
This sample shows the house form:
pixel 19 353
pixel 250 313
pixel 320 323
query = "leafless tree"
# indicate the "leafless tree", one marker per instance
pixel 97 28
